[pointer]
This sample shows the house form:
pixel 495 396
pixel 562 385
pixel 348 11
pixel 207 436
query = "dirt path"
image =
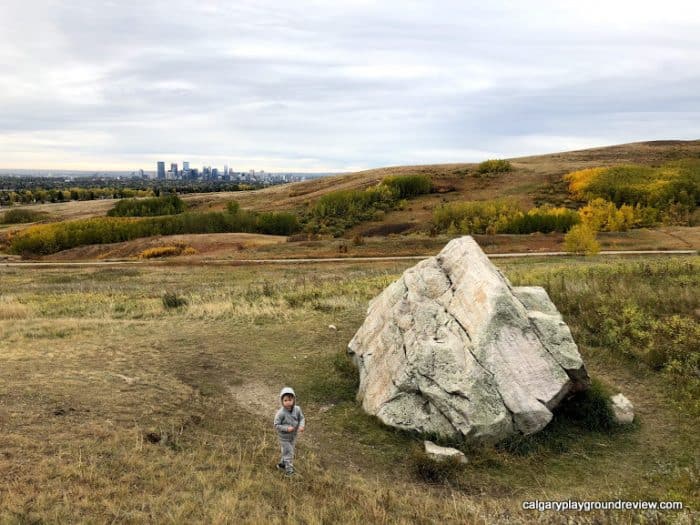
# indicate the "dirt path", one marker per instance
pixel 243 262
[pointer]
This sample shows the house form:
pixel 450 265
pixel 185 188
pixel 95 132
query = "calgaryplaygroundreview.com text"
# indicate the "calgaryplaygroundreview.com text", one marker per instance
pixel 587 506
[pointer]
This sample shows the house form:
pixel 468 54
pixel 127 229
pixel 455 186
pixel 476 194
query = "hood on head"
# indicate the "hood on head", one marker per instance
pixel 287 390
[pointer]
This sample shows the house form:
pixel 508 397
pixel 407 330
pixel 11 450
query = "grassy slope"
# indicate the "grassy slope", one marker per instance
pixel 115 408
pixel 536 179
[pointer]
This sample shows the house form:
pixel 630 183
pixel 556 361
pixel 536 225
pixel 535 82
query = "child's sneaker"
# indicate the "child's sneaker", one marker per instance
pixel 289 471
pixel 280 466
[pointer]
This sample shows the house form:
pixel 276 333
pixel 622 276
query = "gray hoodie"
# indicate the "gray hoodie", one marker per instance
pixel 288 418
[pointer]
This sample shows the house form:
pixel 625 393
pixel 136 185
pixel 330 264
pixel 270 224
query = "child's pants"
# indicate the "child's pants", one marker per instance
pixel 288 451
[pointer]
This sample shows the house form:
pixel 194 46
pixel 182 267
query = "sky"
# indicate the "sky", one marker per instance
pixel 338 85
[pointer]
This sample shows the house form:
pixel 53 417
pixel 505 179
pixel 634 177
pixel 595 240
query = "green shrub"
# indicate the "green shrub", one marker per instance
pixel 544 219
pixel 277 223
pixel 500 216
pixel 339 210
pixel 17 216
pixel 475 216
pixel 166 205
pixel 494 166
pixel 407 186
pixel 51 238
pixel 590 409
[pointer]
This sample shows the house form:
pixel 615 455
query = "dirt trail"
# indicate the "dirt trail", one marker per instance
pixel 257 398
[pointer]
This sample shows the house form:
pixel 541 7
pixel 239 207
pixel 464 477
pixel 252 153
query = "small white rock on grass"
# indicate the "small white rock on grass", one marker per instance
pixel 623 411
pixel 439 453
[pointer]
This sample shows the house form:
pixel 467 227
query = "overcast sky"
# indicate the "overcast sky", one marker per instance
pixel 338 85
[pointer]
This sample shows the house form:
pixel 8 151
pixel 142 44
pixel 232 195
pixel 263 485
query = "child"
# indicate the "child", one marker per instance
pixel 289 420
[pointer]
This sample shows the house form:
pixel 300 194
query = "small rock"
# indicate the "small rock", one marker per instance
pixel 127 379
pixel 439 453
pixel 332 327
pixel 623 410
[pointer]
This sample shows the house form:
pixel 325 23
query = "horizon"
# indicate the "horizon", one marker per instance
pixel 339 88
pixel 167 162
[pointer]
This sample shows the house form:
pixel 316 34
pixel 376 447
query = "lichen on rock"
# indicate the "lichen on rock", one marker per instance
pixel 451 348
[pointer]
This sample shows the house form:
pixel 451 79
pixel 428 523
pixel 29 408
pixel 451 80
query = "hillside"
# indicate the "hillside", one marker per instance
pixel 533 181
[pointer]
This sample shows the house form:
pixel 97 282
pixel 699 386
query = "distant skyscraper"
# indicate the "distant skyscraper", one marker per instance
pixel 173 168
pixel 225 169
pixel 185 165
pixel 160 174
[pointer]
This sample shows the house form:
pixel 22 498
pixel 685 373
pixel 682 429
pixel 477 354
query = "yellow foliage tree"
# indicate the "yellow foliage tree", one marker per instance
pixel 580 180
pixel 581 239
pixel 602 215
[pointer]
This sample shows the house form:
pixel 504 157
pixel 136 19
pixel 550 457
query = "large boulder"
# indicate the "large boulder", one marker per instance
pixel 451 348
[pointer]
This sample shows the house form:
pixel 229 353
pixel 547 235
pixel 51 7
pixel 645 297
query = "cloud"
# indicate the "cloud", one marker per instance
pixel 324 86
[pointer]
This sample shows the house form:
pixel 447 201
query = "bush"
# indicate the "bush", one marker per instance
pixel 500 216
pixel 233 207
pixel 20 216
pixel 672 186
pixel 51 238
pixel 581 239
pixel 167 251
pixel 475 216
pixel 173 300
pixel 602 215
pixel 277 223
pixel 590 409
pixel 166 205
pixel 544 219
pixel 494 166
pixel 339 210
pixel 407 186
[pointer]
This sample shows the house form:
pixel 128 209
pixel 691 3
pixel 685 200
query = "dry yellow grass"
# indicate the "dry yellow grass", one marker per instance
pixel 10 308
pixel 114 408
pixel 167 251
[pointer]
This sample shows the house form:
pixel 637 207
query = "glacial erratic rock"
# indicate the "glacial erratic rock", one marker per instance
pixel 451 348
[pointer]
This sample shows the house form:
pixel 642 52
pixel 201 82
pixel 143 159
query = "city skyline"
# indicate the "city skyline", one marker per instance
pixel 310 87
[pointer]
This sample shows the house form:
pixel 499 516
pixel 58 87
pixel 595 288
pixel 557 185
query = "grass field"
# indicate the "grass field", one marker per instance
pixel 117 408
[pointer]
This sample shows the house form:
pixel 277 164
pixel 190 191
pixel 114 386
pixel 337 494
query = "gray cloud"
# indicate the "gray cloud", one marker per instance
pixel 313 86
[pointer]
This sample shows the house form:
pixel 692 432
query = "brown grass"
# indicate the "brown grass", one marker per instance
pixel 113 408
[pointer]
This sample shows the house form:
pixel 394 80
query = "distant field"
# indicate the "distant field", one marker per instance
pixel 114 407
